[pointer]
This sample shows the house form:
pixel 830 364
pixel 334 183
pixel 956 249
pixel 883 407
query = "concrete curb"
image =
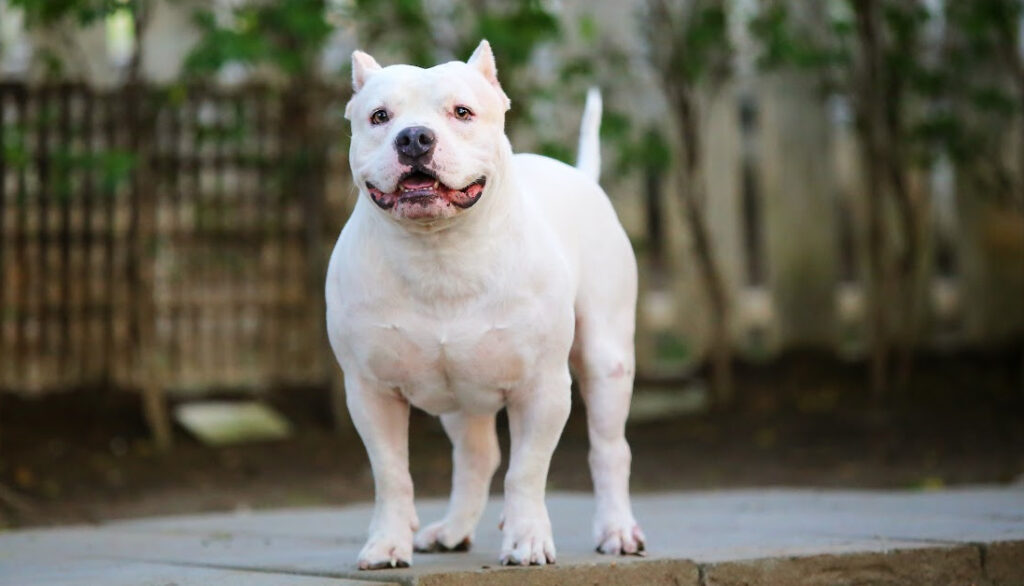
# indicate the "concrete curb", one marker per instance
pixel 997 564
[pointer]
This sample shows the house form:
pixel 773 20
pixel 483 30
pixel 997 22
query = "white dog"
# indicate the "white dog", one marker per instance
pixel 467 280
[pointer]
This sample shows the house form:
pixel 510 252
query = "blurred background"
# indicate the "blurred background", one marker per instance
pixel 826 200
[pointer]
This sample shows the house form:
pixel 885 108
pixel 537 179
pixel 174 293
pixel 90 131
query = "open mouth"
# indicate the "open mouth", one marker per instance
pixel 421 186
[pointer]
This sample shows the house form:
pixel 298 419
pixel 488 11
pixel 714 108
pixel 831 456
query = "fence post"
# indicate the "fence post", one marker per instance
pixel 796 171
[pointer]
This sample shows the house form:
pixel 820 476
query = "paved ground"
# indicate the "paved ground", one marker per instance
pixel 750 537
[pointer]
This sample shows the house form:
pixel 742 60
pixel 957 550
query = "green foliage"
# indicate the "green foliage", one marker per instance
pixel 942 98
pixel 45 13
pixel 689 40
pixel 575 69
pixel 514 28
pixel 556 150
pixel 286 35
pixel 615 126
pixel 112 168
pixel 987 26
pixel 588 29
pixel 981 87
pixel 50 14
pixel 690 48
pixel 971 86
pixel 400 26
pixel 14 149
pixel 783 46
pixel 705 40
pixel 515 33
pixel 233 131
pixel 671 348
pixel 647 152
pixel 945 130
pixel 115 166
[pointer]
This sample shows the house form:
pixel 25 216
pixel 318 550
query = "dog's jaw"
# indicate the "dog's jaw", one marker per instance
pixel 420 196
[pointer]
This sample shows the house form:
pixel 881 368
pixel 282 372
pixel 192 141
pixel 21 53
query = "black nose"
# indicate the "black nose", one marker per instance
pixel 415 142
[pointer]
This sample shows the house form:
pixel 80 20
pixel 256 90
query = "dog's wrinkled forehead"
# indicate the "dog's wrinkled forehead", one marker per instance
pixel 397 85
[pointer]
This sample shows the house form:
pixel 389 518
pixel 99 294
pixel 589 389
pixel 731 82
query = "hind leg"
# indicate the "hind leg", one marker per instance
pixel 604 365
pixel 475 457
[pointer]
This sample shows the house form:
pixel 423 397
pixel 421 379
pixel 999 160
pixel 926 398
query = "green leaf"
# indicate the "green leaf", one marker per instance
pixel 287 35
pixel 116 168
pixel 588 28
pixel 15 151
pixel 556 150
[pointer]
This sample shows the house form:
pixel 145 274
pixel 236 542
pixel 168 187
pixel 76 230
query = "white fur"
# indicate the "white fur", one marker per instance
pixel 588 155
pixel 480 309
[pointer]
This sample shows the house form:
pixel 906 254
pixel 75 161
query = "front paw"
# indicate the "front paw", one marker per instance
pixel 619 535
pixel 527 541
pixel 386 551
pixel 443 536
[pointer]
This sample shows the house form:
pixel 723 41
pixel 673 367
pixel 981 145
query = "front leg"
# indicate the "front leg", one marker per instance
pixel 381 417
pixel 536 418
pixel 475 457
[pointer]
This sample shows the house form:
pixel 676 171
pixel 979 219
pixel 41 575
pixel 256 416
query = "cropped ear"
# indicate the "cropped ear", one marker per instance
pixel 363 66
pixel 483 61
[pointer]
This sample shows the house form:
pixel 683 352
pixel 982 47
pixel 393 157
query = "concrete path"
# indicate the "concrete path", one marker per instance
pixel 791 537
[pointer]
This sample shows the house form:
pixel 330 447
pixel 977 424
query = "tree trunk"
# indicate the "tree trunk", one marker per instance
pixel 665 30
pixel 140 21
pixel 905 276
pixel 871 114
pixel 693 198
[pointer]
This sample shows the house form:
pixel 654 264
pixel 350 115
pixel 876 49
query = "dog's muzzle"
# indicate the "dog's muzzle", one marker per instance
pixel 421 186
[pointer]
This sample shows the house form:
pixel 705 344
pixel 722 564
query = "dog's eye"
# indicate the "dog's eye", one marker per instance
pixel 463 113
pixel 379 116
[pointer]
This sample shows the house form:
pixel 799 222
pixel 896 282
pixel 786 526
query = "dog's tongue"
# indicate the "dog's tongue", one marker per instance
pixel 417 182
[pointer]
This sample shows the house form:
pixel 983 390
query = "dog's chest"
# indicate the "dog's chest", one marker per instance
pixel 442 366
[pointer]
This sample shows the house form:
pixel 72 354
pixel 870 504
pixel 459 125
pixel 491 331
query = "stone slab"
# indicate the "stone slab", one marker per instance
pixel 735 537
pixel 88 572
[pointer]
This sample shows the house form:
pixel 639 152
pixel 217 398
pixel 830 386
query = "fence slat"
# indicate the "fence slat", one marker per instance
pixel 42 245
pixel 110 187
pixel 5 277
pixel 87 269
pixel 64 192
pixel 21 306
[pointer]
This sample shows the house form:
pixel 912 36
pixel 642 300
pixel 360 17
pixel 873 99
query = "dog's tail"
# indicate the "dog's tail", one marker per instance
pixel 588 157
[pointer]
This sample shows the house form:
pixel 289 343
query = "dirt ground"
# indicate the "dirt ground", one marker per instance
pixel 805 420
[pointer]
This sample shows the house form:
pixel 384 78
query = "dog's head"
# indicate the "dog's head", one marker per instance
pixel 427 143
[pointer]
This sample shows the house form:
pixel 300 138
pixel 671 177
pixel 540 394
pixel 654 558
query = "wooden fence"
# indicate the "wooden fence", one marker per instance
pixel 159 238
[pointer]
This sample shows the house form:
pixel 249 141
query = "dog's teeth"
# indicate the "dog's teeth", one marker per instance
pixel 436 183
